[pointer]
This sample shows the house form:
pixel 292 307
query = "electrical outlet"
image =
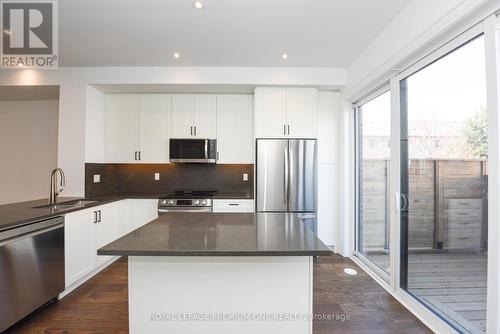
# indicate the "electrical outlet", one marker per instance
pixel 157 176
pixel 245 177
pixel 97 178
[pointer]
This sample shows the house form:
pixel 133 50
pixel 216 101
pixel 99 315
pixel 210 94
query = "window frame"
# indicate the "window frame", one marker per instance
pixel 385 88
pixel 490 27
pixel 432 317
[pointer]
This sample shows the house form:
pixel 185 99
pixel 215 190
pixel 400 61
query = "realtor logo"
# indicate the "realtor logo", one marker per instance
pixel 29 34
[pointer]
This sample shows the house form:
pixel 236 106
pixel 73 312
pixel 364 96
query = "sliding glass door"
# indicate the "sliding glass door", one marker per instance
pixel 444 186
pixel 373 118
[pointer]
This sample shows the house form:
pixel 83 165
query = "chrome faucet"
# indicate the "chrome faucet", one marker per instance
pixel 53 185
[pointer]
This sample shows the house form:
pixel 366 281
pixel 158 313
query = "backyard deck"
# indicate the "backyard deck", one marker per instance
pixel 454 285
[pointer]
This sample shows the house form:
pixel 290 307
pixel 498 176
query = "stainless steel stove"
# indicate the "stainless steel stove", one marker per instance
pixel 187 201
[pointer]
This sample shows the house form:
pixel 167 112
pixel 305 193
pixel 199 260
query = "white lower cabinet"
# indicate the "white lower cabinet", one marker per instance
pixel 233 205
pixel 143 211
pixel 79 245
pixel 107 229
pixel 88 230
pixel 126 216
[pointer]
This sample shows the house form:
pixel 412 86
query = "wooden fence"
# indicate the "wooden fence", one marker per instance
pixel 447 207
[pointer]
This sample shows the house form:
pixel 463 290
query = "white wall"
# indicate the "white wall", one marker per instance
pixel 28 142
pixel 74 83
pixel 414 29
pixel 95 144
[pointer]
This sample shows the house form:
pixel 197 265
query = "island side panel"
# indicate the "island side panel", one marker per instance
pixel 164 288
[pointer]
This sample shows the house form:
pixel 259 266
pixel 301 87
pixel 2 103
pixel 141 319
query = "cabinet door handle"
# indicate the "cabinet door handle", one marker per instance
pixel 95 217
pixel 191 132
pixel 288 126
pixel 195 130
pixel 100 216
pixel 140 155
pixel 284 129
pixel 234 204
pixel 135 155
pixel 217 155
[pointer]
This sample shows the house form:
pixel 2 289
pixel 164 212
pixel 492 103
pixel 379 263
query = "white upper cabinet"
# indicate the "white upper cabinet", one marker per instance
pixel 182 116
pixel 235 129
pixel 194 116
pixel 270 112
pixel 205 116
pixel 301 112
pixel 285 112
pixel 122 131
pixel 155 127
pixel 137 128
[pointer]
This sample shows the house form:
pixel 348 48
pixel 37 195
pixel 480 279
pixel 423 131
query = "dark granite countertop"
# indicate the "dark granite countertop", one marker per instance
pixel 233 195
pixel 221 234
pixel 12 215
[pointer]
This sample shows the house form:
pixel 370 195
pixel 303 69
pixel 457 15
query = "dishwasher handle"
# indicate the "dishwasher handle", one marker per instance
pixel 29 230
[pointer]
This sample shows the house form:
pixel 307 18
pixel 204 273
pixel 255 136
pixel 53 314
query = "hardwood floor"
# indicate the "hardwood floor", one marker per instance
pixel 371 309
pixel 100 305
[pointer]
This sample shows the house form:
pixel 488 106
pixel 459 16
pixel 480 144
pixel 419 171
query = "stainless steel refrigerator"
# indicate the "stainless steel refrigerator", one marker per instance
pixel 286 175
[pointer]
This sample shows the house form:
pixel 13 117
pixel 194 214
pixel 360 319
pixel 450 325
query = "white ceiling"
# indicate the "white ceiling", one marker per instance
pixel 313 33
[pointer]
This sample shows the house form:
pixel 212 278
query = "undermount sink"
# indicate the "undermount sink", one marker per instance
pixel 67 205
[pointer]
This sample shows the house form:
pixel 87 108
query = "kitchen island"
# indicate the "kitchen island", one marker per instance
pixel 221 273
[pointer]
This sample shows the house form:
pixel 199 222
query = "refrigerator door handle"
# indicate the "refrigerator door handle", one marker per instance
pixel 286 176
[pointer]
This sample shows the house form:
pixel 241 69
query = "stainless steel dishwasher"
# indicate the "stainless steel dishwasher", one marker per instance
pixel 31 268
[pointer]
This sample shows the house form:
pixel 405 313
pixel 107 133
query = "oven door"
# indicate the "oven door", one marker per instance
pixel 193 150
pixel 198 209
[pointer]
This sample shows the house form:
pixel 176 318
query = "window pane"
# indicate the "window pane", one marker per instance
pixel 444 169
pixel 374 132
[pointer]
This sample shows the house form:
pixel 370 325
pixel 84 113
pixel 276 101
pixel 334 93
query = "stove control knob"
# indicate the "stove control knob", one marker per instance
pixel 170 202
pixel 203 202
pixel 163 202
pixel 196 202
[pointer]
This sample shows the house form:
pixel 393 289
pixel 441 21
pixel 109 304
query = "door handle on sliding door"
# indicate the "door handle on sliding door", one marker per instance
pixel 401 202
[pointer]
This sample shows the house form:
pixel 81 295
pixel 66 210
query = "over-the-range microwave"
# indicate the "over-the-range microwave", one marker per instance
pixel 193 150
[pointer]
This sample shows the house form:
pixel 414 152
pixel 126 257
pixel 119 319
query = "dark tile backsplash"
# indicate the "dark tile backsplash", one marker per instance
pixel 139 178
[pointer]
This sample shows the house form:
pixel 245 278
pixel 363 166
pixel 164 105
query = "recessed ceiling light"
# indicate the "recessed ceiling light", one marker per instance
pixel 350 271
pixel 284 56
pixel 198 5
pixel 176 55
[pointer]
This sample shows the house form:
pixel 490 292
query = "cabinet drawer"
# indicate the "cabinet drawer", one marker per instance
pixel 233 205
